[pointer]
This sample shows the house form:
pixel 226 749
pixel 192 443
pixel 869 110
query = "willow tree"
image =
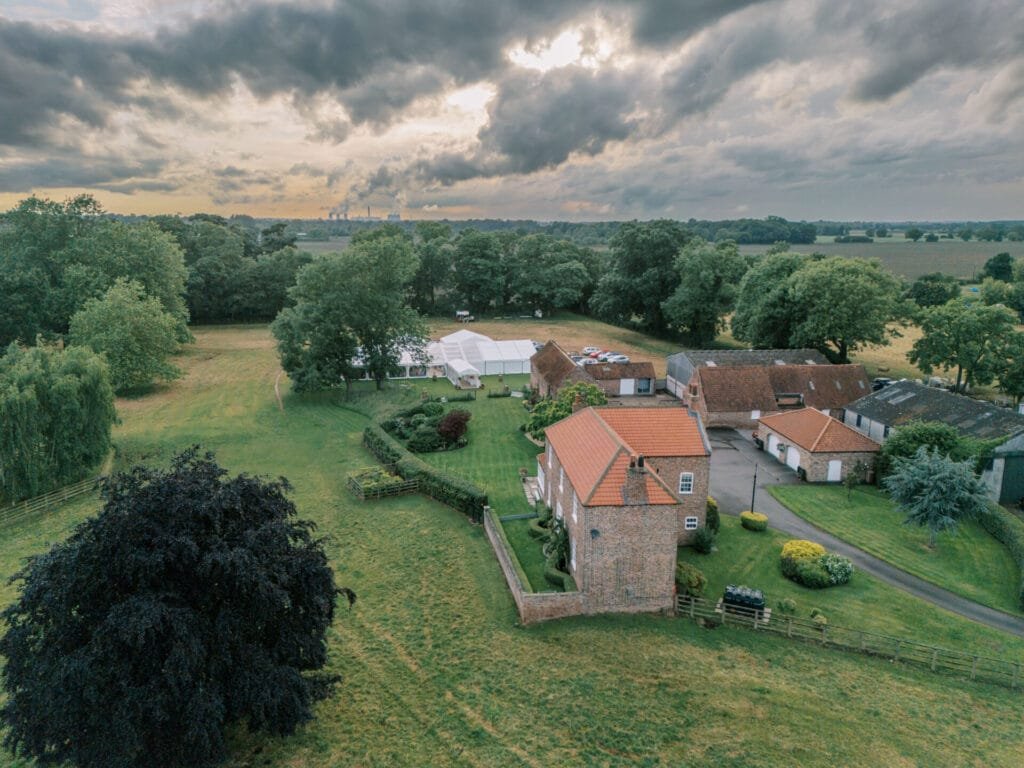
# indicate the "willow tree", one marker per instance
pixel 56 411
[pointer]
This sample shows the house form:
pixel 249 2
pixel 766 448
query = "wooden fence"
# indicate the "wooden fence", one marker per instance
pixel 399 487
pixel 974 666
pixel 24 509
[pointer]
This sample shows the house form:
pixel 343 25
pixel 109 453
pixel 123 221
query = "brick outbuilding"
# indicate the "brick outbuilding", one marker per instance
pixel 814 444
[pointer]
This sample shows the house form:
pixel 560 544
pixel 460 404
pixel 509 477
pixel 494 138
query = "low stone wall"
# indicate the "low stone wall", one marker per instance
pixel 532 606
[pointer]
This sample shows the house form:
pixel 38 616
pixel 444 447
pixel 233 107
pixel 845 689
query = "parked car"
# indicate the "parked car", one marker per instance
pixel 597 354
pixel 537 345
pixel 617 359
pixel 591 350
pixel 589 361
pixel 603 357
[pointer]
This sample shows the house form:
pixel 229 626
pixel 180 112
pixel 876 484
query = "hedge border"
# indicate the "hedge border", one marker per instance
pixel 1008 530
pixel 455 492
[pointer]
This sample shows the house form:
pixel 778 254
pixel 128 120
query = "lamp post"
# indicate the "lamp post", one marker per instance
pixel 753 490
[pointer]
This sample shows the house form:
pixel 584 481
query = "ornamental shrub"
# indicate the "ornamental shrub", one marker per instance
pixel 795 550
pixel 432 409
pixel 754 521
pixel 711 517
pixel 453 425
pixel 819 618
pixel 787 606
pixel 690 580
pixel 811 574
pixel 704 540
pixel 426 440
pixel 839 568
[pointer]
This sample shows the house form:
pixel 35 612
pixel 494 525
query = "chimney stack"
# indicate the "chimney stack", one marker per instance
pixel 634 491
pixel 578 404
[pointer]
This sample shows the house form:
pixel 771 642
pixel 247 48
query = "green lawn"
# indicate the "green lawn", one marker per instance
pixel 528 552
pixel 437 672
pixel 752 559
pixel 970 563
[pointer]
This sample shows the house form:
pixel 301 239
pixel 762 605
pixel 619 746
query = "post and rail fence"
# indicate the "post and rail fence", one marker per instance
pixel 971 665
pixel 21 510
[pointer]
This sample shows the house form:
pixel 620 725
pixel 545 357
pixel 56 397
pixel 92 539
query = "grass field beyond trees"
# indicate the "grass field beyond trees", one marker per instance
pixel 970 563
pixel 436 671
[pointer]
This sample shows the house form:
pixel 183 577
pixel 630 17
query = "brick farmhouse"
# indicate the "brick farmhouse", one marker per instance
pixel 631 485
pixel 551 369
pixel 817 446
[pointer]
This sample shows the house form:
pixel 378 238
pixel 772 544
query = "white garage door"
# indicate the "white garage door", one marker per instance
pixel 627 387
pixel 835 470
pixel 792 457
pixel 773 445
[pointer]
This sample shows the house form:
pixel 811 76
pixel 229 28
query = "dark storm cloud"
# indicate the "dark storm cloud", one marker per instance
pixel 537 121
pixel 72 171
pixel 668 22
pixel 927 36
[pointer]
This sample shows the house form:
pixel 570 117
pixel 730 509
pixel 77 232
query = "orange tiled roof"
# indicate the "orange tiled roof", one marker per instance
pixel 817 432
pixel 595 446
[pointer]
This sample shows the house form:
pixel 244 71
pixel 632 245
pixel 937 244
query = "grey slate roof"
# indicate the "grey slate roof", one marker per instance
pixel 682 364
pixel 906 401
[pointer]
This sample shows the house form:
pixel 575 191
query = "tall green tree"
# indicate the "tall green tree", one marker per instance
pixel 437 254
pixel 766 313
pixel 708 280
pixel 914 234
pixel 56 411
pixel 843 304
pixel 1011 370
pixel 350 315
pixel 56 256
pixel 933 289
pixel 968 337
pixel 935 491
pixel 641 274
pixel 132 331
pixel 193 603
pixel 479 275
pixel 999 267
pixel 549 274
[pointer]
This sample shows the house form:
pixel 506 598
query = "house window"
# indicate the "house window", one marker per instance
pixel 690 524
pixel 859 417
pixel 575 507
pixel 572 554
pixel 558 511
pixel 561 479
pixel 686 482
pixel 643 386
pixel 693 390
pixel 885 433
pixel 755 414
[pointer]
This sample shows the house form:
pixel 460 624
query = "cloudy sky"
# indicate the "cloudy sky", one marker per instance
pixel 564 109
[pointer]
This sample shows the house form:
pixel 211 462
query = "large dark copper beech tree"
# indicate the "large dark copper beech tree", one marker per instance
pixel 192 602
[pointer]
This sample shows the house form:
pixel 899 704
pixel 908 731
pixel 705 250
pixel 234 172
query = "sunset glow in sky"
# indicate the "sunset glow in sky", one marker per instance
pixel 576 109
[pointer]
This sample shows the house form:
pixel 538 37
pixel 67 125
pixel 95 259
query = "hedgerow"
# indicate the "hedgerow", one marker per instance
pixel 1008 531
pixel 453 491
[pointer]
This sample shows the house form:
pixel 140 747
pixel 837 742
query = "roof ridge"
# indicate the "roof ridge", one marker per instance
pixel 824 429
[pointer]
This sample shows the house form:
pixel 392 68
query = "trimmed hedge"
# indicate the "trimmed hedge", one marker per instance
pixel 558 578
pixel 704 540
pixel 453 491
pixel 1008 531
pixel 754 521
pixel 809 564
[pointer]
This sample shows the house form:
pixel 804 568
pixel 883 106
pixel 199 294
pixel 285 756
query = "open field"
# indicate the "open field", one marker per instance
pixel 970 563
pixel 436 671
pixel 909 259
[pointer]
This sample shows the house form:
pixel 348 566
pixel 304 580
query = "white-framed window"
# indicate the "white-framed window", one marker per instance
pixel 572 554
pixel 690 524
pixel 561 479
pixel 558 510
pixel 575 507
pixel 686 482
pixel 755 414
